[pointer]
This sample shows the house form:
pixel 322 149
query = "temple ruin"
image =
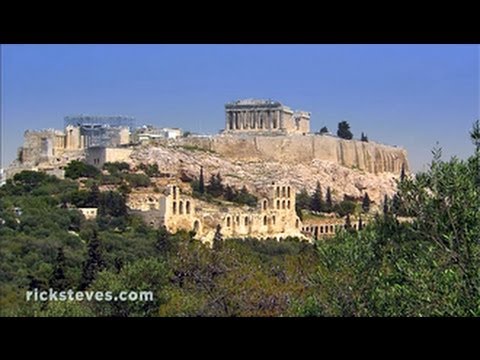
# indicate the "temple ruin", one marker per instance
pixel 264 116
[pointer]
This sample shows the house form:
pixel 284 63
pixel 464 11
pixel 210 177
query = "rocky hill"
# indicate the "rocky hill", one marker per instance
pixel 185 161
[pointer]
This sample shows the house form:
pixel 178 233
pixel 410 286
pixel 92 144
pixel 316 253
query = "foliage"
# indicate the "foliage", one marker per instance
pixel 364 137
pixel 316 201
pixel 77 169
pixel 137 180
pixel 343 131
pixel 323 130
pixel 366 203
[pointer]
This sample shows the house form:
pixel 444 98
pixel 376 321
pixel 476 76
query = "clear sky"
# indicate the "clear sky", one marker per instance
pixel 405 95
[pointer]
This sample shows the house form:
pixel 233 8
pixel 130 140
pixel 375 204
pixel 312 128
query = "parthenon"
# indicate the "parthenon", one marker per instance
pixel 264 116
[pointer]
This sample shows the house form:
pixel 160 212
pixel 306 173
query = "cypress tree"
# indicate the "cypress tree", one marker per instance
pixel 316 203
pixel 201 182
pixel 385 205
pixel 217 238
pixel 402 173
pixel 94 262
pixel 58 280
pixel 328 200
pixel 366 203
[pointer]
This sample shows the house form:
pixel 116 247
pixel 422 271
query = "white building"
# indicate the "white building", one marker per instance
pixel 148 133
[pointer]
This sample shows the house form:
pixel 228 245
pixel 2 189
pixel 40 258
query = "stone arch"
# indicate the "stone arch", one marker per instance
pixel 273 219
pixel 331 228
pixel 180 208
pixel 278 204
pixel 283 204
pixel 288 204
pixel 288 191
pixel 228 221
pixel 284 191
pixel 245 221
pixel 265 204
pixel 321 229
pixel 278 191
pixel 174 208
pixel 196 226
pixel 297 223
pixel 174 193
pixel 238 220
pixel 265 220
pixel 187 207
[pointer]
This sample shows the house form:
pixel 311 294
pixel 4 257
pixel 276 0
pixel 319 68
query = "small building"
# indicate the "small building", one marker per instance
pixel 89 213
pixel 150 133
pixel 99 155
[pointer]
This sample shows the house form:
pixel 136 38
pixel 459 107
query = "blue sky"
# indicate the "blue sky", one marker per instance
pixel 406 95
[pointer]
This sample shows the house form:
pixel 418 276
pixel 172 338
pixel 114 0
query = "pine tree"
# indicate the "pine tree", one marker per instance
pixel 328 201
pixel 360 223
pixel 323 130
pixel 475 135
pixel 94 262
pixel 201 182
pixel 364 137
pixel 348 222
pixel 217 238
pixel 229 193
pixel 316 203
pixel 343 131
pixel 366 203
pixel 396 204
pixel 58 280
pixel 163 241
pixel 385 205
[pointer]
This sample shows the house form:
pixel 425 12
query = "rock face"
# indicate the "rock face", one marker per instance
pixel 257 173
pixel 303 149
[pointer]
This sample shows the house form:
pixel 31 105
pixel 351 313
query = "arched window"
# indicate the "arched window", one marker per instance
pixel 174 208
pixel 265 204
pixel 288 191
pixel 196 225
pixel 278 191
pixel 273 219
pixel 238 220
pixel 180 208
pixel 288 204
pixel 278 204
pixel 297 223
pixel 246 221
pixel 187 207
pixel 228 221
pixel 264 220
pixel 283 191
pixel 321 229
pixel 283 204
pixel 331 228
pixel 174 193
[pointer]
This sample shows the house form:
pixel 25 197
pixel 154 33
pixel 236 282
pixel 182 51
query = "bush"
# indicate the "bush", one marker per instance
pixel 76 169
pixel 138 180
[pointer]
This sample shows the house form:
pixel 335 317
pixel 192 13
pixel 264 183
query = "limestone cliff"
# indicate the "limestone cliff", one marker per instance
pixel 303 149
pixel 239 167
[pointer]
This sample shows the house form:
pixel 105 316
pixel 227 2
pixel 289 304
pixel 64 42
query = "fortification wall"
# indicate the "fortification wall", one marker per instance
pixel 368 156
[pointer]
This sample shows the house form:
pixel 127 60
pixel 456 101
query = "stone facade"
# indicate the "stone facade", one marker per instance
pixel 317 228
pixel 274 216
pixel 99 155
pixel 89 213
pixel 264 116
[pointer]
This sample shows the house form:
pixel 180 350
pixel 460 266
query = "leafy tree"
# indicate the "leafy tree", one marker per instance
pixel 94 262
pixel 343 131
pixel 364 137
pixel 163 243
pixel 138 180
pixel 215 187
pixel 475 135
pixel 323 130
pixel 345 207
pixel 366 203
pixel 116 167
pixel 316 202
pixel 112 203
pixel 229 193
pixel 76 169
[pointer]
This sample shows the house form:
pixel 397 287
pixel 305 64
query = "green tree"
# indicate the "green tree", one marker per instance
pixel 402 172
pixel 302 199
pixel 343 131
pixel 218 238
pixel 76 169
pixel 366 203
pixel 316 202
pixel 58 280
pixel 94 262
pixel 475 135
pixel 364 137
pixel 328 201
pixel 323 130
pixel 385 205
pixel 138 180
pixel 201 184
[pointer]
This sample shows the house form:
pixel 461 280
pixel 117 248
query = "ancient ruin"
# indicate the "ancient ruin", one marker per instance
pixel 264 116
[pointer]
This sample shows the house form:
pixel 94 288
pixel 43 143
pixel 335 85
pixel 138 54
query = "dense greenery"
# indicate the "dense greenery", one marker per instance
pixel 216 190
pixel 426 266
pixel 77 169
pixel 343 131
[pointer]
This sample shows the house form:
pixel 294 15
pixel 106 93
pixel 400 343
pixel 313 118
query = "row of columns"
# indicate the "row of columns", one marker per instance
pixel 253 119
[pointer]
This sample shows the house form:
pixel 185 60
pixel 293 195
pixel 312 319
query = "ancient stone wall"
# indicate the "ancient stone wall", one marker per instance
pixel 368 156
